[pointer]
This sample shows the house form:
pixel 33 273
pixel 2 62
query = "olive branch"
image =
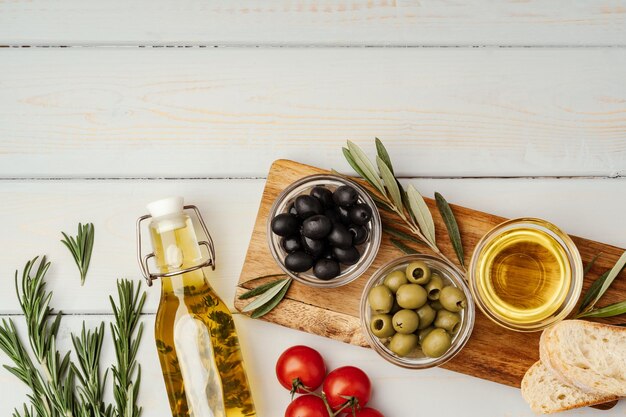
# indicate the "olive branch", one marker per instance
pixel 408 205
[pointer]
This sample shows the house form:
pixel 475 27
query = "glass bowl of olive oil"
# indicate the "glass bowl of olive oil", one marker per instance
pixel 526 274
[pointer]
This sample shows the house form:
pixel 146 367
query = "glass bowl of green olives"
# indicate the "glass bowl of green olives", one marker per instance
pixel 417 311
pixel 324 230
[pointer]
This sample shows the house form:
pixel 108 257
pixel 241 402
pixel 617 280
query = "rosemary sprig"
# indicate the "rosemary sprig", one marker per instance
pixel 59 388
pixel 81 247
pixel 126 338
pixel 409 205
pixel 88 348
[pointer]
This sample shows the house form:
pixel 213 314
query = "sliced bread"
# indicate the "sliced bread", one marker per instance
pixel 589 356
pixel 546 394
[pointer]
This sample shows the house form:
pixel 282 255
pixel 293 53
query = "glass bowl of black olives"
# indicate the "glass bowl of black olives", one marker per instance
pixel 324 230
pixel 417 311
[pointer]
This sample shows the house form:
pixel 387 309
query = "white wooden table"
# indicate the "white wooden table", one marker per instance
pixel 517 108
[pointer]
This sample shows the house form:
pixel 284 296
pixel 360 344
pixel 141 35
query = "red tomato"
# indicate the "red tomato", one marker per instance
pixel 307 406
pixel 300 366
pixel 368 412
pixel 347 385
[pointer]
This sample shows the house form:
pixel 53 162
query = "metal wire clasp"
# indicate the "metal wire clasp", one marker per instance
pixel 143 260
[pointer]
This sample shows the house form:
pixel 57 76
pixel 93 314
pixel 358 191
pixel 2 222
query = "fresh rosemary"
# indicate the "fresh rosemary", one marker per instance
pixel 81 247
pixel 58 387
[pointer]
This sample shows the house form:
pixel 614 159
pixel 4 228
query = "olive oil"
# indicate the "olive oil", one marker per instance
pixel 195 334
pixel 523 276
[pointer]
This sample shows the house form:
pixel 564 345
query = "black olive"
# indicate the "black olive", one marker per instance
pixel 345 196
pixel 307 206
pixel 315 248
pixel 298 262
pixel 340 236
pixel 324 195
pixel 348 256
pixel 326 269
pixel 292 209
pixel 359 234
pixel 285 224
pixel 360 214
pixel 332 215
pixel 291 244
pixel 344 215
pixel 316 227
pixel 328 253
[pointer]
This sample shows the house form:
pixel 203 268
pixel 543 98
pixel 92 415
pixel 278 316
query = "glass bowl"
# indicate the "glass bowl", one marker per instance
pixel 368 250
pixel 417 360
pixel 513 304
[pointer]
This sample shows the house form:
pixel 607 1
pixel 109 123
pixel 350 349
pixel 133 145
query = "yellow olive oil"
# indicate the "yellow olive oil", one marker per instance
pixel 195 334
pixel 523 276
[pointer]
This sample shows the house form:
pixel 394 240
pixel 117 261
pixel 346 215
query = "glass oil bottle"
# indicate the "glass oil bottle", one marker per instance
pixel 195 334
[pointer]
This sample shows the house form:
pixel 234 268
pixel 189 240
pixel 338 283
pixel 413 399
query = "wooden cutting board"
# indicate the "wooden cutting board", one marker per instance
pixel 492 353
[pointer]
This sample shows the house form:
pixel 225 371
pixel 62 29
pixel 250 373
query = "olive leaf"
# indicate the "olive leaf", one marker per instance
pixel 354 165
pixel 404 248
pixel 617 268
pixel 261 288
pixel 451 225
pixel 390 182
pixel 608 311
pixel 422 214
pixel 383 154
pixel 366 167
pixel 597 290
pixel 592 292
pixel 269 306
pixel 267 296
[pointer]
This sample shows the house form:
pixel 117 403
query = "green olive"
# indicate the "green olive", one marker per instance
pixel 427 315
pixel 436 305
pixel 434 286
pixel 423 333
pixel 411 296
pixel 382 326
pixel 403 344
pixel 381 299
pixel 418 272
pixel 405 321
pixel 452 299
pixel 436 343
pixel 394 279
pixel 448 320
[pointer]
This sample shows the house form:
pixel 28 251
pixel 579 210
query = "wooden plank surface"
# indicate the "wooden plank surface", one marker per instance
pixel 312 22
pixel 492 353
pixel 35 212
pixel 85 112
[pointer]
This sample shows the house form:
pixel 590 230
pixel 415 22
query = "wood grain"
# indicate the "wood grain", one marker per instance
pixel 99 112
pixel 37 211
pixel 493 353
pixel 312 22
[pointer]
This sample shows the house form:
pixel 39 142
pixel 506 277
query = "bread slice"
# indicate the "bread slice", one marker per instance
pixel 546 394
pixel 589 356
